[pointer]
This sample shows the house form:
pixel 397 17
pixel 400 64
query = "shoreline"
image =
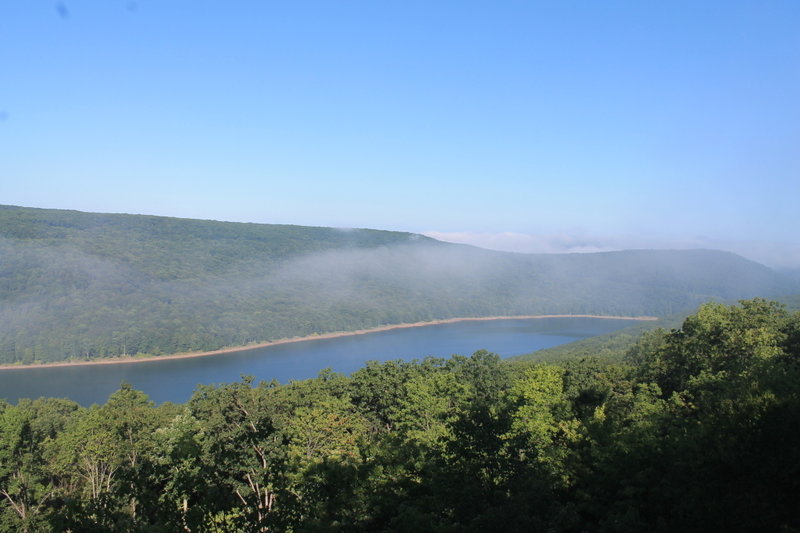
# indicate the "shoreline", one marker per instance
pixel 332 335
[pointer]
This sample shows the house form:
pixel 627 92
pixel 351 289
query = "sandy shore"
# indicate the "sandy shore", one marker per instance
pixel 333 335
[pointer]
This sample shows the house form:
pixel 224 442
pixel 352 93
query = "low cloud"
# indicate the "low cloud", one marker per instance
pixel 775 255
pixel 529 243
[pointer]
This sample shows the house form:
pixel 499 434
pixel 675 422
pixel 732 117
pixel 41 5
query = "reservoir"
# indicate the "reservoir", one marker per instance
pixel 174 380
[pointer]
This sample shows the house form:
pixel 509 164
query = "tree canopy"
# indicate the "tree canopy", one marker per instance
pixel 696 429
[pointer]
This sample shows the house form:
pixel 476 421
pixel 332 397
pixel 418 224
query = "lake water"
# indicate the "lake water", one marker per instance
pixel 175 380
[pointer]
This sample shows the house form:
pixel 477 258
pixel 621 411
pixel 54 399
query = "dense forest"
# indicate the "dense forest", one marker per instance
pixel 82 285
pixel 697 429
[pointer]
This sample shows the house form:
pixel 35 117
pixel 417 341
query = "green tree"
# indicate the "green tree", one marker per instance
pixel 27 485
pixel 243 454
pixel 430 405
pixel 717 342
pixel 543 418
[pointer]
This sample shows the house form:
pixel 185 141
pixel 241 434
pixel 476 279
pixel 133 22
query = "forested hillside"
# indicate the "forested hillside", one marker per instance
pixel 612 347
pixel 697 430
pixel 80 285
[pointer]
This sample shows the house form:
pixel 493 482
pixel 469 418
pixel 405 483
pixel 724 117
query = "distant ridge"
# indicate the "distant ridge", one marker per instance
pixel 77 285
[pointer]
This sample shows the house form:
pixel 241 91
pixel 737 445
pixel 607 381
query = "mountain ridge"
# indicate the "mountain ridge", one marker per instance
pixel 77 285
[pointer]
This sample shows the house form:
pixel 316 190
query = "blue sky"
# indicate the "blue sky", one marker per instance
pixel 531 126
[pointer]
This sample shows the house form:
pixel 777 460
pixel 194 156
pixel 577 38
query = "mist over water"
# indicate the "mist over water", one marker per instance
pixel 175 380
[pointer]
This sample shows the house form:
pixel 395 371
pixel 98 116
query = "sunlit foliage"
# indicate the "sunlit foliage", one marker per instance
pixel 696 431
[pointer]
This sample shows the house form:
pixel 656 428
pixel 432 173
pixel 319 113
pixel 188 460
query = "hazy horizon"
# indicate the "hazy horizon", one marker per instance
pixel 565 244
pixel 536 128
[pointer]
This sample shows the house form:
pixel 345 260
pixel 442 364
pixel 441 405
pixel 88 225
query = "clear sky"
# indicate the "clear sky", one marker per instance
pixel 524 125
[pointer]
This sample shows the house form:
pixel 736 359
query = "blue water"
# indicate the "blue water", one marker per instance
pixel 175 380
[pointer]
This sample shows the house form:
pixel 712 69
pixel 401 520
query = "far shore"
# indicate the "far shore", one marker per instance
pixel 333 335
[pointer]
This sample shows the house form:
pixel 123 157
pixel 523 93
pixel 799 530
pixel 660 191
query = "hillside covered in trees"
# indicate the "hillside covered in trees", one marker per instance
pixel 696 430
pixel 80 285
